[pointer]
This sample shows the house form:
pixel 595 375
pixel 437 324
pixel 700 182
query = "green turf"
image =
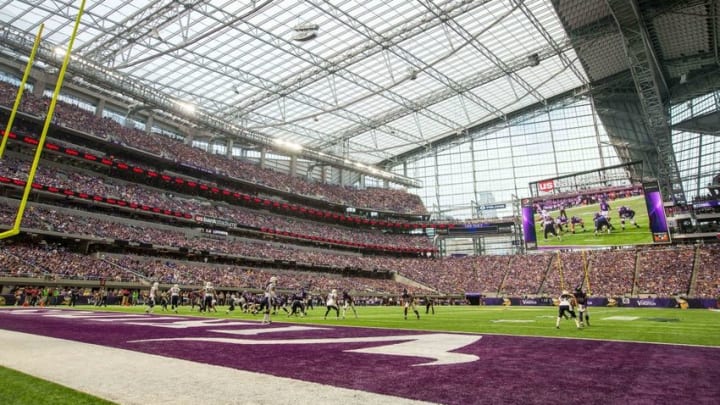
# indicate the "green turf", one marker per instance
pixel 21 389
pixel 631 235
pixel 662 325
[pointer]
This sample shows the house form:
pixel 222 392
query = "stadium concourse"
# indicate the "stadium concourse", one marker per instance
pixel 256 153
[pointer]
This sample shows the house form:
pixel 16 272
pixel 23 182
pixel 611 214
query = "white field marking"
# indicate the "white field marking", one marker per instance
pixel 197 323
pixel 54 313
pixel 513 320
pixel 91 315
pixel 252 332
pixel 437 346
pixel 621 318
pixel 95 316
pixel 136 318
pixel 133 378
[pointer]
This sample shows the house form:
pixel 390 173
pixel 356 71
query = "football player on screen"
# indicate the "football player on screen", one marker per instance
pixel 601 223
pixel 626 213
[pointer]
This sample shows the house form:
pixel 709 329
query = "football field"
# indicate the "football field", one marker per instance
pixel 630 236
pixel 123 355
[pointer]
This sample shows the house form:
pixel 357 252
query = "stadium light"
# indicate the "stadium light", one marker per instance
pixel 186 107
pixel 288 146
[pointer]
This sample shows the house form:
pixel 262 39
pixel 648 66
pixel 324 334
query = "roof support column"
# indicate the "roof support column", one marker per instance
pixel 229 148
pixel 293 165
pixel 650 86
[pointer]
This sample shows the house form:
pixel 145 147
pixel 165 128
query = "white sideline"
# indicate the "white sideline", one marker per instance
pixel 129 377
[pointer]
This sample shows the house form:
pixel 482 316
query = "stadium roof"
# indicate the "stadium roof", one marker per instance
pixel 365 79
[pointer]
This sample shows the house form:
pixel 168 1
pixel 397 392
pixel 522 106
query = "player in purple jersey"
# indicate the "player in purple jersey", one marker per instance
pixel 409 303
pixel 430 304
pixel 297 307
pixel 605 208
pixel 581 300
pixel 348 302
pixel 575 220
pixel 561 223
pixel 600 223
pixel 232 301
pixel 626 213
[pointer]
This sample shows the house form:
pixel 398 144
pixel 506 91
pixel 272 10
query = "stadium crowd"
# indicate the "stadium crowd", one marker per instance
pixel 647 270
pixel 665 271
pixel 63 178
pixel 74 117
pixel 610 273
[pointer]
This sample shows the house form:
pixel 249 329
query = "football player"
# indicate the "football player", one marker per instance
pixel 601 222
pixel 549 226
pixel 430 304
pixel 331 303
pixel 575 220
pixel 581 300
pixel 268 299
pixel 629 214
pixel 566 302
pixel 409 303
pixel 348 302
pixel 208 297
pixel 174 297
pixel 151 298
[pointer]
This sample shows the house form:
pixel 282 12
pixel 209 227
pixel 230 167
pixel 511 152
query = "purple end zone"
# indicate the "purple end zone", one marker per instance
pixel 488 369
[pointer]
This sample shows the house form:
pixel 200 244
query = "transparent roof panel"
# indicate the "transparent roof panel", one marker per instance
pixel 383 77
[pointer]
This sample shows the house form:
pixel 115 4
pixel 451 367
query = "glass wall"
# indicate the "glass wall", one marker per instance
pixel 500 162
pixel 697 155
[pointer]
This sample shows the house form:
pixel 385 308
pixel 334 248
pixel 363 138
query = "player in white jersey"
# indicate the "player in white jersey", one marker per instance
pixel 174 297
pixel 566 304
pixel 151 298
pixel 331 303
pixel 208 297
pixel 269 299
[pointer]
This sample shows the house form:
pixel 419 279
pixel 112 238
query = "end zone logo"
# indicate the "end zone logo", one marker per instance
pixel 546 186
pixel 438 348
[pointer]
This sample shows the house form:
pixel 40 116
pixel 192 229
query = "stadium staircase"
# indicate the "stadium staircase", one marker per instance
pixel 695 269
pixel 143 278
pixel 634 290
pixel 501 286
pixel 549 268
pixel 412 283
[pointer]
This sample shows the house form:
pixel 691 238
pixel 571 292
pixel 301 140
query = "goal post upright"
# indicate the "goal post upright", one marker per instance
pixel 21 90
pixel 48 119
